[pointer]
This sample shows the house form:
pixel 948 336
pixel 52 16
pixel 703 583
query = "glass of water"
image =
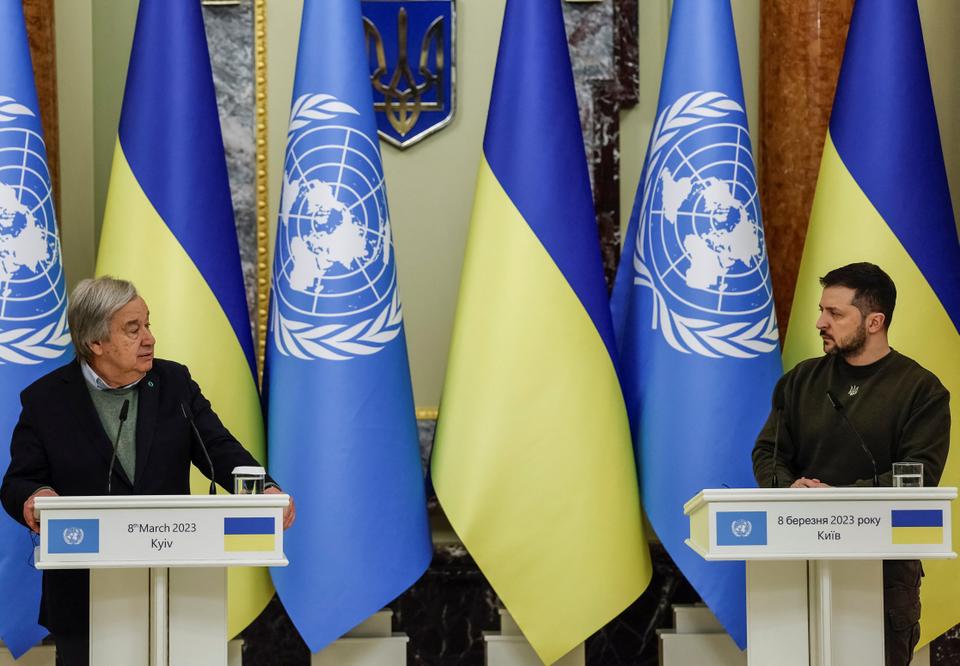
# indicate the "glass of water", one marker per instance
pixel 248 480
pixel 908 475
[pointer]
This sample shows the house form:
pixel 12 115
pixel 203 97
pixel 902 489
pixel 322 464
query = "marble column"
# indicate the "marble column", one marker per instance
pixel 39 18
pixel 801 46
pixel 604 52
pixel 229 29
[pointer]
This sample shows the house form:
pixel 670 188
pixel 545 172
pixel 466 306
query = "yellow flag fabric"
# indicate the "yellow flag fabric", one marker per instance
pixel 533 462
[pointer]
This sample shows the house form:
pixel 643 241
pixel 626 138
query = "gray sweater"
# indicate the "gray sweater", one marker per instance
pixel 108 404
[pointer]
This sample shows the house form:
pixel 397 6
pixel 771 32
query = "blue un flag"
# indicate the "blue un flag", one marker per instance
pixel 693 301
pixel 33 322
pixel 341 431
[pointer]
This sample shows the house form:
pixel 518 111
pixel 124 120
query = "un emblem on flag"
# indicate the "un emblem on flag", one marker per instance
pixel 700 245
pixel 33 320
pixel 335 279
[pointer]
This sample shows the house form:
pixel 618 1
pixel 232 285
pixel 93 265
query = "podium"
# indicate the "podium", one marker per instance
pixel 158 568
pixel 814 557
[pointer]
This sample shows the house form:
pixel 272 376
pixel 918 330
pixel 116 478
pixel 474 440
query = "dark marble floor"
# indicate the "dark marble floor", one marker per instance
pixel 446 612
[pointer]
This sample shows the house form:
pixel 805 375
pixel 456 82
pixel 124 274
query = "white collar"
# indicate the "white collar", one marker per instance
pixel 97 382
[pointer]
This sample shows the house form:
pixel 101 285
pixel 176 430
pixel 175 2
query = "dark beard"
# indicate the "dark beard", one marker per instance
pixel 852 345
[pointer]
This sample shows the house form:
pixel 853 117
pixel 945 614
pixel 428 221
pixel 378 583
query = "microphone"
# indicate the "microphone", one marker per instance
pixel 188 415
pixel 837 405
pixel 777 405
pixel 116 442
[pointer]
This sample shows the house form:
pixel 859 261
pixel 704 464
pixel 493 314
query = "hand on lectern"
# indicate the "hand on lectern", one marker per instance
pixel 804 482
pixel 290 512
pixel 28 515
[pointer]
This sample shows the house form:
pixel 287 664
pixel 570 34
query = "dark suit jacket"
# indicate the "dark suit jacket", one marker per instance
pixel 60 442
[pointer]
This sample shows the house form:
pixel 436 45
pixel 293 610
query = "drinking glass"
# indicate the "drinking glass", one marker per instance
pixel 907 475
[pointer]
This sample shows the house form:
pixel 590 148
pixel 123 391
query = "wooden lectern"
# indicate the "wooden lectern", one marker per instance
pixel 158 568
pixel 814 562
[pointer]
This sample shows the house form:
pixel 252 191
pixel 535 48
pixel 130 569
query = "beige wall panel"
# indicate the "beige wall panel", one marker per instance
pixel 941 25
pixel 74 50
pixel 93 48
pixel 113 24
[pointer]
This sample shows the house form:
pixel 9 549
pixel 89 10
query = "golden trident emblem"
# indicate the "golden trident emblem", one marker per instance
pixel 403 97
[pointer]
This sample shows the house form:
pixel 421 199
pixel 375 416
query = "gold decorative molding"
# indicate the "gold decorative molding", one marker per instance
pixel 427 413
pixel 263 226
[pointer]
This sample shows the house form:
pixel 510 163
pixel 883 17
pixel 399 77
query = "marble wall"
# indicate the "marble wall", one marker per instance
pixel 38 16
pixel 801 46
pixel 603 50
pixel 229 30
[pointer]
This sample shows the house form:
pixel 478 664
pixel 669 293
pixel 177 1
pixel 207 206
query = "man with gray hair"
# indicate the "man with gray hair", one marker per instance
pixel 68 440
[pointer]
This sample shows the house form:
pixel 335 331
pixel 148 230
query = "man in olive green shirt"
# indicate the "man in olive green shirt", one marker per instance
pixel 901 411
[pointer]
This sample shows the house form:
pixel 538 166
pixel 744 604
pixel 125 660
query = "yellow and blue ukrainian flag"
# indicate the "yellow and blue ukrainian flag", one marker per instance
pixel 882 196
pixel 341 423
pixel 909 526
pixel 246 534
pixel 532 461
pixel 693 298
pixel 169 228
pixel 33 325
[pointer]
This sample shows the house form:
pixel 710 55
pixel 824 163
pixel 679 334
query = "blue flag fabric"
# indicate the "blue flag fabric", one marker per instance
pixel 33 326
pixel 342 435
pixel 692 303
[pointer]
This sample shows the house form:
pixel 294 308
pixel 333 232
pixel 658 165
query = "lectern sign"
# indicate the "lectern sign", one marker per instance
pixel 805 526
pixel 834 523
pixel 150 531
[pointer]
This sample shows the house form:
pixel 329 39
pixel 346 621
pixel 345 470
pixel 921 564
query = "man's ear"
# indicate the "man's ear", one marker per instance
pixel 96 348
pixel 875 322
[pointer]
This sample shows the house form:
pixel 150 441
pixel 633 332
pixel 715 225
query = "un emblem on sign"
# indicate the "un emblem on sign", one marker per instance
pixel 700 245
pixel 73 536
pixel 335 279
pixel 33 323
pixel 741 528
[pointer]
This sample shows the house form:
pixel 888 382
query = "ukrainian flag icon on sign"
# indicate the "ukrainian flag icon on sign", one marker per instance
pixel 917 526
pixel 249 534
